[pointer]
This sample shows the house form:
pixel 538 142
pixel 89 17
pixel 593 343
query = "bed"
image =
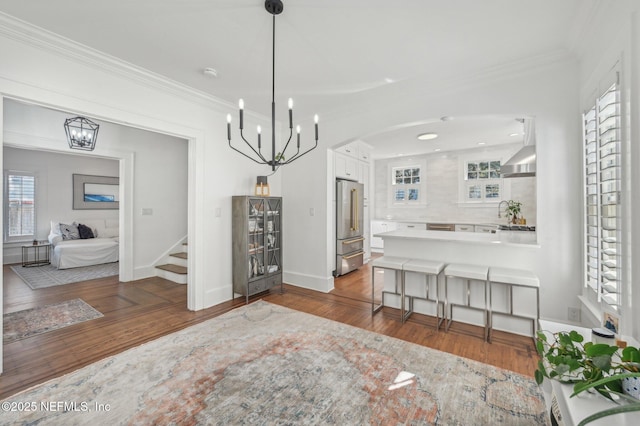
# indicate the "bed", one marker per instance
pixel 70 250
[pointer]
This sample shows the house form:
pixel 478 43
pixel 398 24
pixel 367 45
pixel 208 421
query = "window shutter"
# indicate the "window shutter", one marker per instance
pixel 603 165
pixel 21 206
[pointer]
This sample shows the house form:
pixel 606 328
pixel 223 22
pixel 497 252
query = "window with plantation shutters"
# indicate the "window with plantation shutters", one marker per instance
pixel 602 151
pixel 20 213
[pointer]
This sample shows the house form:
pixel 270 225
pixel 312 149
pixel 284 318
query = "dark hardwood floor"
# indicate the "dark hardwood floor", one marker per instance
pixel 140 311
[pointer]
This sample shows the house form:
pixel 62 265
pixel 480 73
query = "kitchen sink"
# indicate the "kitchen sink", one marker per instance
pixel 516 228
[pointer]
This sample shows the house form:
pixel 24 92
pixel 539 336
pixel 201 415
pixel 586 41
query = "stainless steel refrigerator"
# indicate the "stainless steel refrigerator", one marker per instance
pixel 349 226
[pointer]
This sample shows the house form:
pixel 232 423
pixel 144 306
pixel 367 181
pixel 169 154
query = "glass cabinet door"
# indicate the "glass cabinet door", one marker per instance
pixel 256 238
pixel 273 235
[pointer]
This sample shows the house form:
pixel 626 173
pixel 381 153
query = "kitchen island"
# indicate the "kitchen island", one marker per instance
pixel 508 249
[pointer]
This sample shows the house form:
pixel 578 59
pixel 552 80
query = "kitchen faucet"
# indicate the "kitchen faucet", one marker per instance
pixel 500 205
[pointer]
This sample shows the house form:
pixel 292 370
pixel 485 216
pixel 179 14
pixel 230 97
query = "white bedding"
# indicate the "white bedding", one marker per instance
pixel 93 251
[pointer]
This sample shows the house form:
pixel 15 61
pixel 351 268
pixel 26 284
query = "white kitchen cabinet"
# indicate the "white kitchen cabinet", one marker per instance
pixel 378 226
pixel 346 167
pixel 487 229
pixel 363 178
pixel 350 150
pixel 366 246
pixel 411 225
pixel 465 228
pixel 364 152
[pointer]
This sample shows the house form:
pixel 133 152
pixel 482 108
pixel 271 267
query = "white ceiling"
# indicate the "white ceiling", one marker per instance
pixel 328 51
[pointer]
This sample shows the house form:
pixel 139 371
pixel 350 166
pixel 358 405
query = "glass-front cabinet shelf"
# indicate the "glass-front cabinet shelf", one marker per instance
pixel 257 244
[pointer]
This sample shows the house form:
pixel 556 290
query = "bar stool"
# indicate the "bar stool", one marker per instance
pixel 468 273
pixel 429 268
pixel 393 263
pixel 513 278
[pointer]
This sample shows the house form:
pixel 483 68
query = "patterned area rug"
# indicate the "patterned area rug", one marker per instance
pixel 30 322
pixel 265 364
pixel 49 275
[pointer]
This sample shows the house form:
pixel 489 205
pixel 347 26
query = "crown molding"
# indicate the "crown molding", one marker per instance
pixel 26 33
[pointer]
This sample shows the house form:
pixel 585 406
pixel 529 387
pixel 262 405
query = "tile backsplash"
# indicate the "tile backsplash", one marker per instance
pixel 442 176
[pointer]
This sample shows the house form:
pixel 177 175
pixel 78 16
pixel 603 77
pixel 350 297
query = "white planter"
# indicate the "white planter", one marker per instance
pixel 631 386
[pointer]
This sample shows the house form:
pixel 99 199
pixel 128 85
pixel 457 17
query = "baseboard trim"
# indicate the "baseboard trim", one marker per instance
pixel 217 295
pixel 311 282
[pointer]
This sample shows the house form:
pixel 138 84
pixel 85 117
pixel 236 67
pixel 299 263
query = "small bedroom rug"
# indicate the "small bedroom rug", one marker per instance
pixel 266 364
pixel 49 275
pixel 30 322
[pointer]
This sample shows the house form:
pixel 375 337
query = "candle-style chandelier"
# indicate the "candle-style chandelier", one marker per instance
pixel 274 7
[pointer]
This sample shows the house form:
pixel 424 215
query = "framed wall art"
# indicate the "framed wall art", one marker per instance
pixel 96 192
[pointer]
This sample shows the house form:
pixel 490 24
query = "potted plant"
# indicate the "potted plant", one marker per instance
pixel 513 210
pixel 590 367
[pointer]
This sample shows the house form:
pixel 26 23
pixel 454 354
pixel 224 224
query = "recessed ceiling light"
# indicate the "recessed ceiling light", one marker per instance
pixel 210 72
pixel 427 136
pixel 514 134
pixel 437 150
pixel 446 118
pixel 482 143
pixel 389 80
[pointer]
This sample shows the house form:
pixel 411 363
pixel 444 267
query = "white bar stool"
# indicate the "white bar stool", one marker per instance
pixel 429 268
pixel 392 263
pixel 514 278
pixel 467 272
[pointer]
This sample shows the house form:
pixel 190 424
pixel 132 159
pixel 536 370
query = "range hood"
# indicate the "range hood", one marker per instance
pixel 523 163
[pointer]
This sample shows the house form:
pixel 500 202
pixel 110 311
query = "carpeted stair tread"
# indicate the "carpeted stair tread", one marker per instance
pixel 181 255
pixel 176 269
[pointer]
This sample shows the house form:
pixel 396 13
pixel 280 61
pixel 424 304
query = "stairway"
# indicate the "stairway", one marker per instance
pixel 175 268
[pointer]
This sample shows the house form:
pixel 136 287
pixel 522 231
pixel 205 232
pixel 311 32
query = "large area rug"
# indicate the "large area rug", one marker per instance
pixel 265 364
pixel 49 275
pixel 30 322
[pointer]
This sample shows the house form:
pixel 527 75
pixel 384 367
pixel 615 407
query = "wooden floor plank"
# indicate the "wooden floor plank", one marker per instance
pixel 140 311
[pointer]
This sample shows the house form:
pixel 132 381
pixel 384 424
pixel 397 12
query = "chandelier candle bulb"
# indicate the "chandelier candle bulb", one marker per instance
pixel 241 105
pixel 259 135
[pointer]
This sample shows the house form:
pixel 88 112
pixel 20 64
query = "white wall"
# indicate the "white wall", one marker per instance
pixel 54 192
pixel 546 92
pixel 159 180
pixel 442 176
pixel 99 88
pixel 91 84
pixel 618 39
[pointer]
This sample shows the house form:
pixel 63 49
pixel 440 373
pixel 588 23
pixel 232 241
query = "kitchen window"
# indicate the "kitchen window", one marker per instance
pixel 20 213
pixel 407 184
pixel 602 183
pixel 482 181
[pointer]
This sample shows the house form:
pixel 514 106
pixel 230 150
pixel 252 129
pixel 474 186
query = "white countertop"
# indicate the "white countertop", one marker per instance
pixel 515 238
pixel 448 221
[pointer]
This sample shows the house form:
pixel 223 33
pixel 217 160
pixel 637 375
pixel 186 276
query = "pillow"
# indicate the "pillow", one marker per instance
pixel 69 232
pixel 85 232
pixel 109 232
pixel 55 228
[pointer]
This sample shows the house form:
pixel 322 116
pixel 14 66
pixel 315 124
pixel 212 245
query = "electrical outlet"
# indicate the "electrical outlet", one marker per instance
pixel 573 314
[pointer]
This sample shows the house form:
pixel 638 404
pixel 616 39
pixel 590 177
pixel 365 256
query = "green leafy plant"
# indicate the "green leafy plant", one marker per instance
pixel 513 210
pixel 590 367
